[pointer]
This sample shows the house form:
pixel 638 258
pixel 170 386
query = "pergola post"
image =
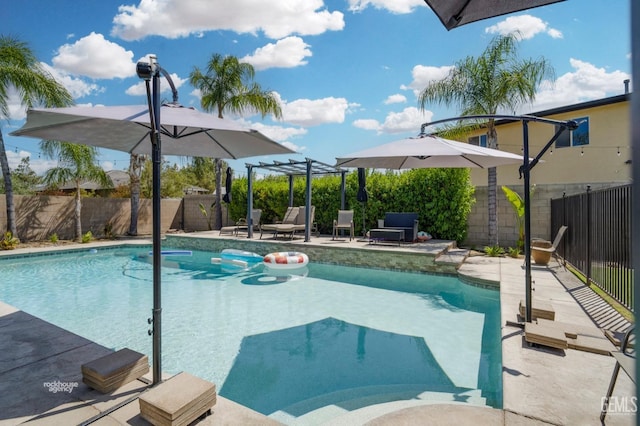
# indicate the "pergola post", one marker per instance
pixel 249 201
pixel 307 219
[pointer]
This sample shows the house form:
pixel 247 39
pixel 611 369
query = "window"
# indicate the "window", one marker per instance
pixel 577 137
pixel 478 140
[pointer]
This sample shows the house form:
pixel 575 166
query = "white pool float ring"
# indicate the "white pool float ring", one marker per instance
pixel 286 260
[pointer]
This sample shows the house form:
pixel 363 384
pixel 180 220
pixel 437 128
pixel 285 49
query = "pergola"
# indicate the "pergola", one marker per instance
pixel 308 168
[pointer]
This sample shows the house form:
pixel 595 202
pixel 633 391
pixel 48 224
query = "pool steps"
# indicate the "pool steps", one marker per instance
pixel 356 406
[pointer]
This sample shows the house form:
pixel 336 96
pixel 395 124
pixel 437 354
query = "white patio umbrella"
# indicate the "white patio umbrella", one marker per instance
pixel 185 131
pixel 426 151
pixel 178 131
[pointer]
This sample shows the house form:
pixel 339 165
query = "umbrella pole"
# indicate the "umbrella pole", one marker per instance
pixel 527 224
pixel 154 108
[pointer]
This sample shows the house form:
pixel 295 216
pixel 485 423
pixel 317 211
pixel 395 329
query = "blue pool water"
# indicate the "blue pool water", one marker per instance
pixel 286 344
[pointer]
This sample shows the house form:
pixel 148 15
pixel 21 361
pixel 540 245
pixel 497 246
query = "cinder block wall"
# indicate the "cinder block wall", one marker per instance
pixel 38 217
pixel 507 224
pixel 193 218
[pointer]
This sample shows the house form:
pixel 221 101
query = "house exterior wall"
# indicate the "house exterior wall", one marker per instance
pixel 597 162
pixel 567 170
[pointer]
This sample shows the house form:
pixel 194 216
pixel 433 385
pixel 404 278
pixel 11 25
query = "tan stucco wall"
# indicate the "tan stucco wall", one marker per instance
pixel 608 133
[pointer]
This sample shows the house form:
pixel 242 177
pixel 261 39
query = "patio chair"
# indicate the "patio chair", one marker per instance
pixel 286 225
pixel 625 359
pixel 300 224
pixel 344 221
pixel 550 251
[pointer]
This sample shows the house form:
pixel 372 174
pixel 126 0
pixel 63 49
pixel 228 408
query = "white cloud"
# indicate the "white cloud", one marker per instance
pixel 38 165
pixel 77 87
pixel 393 6
pixel 313 112
pixel 524 26
pixel 180 18
pixel 107 165
pixel 286 53
pixel 140 88
pixel 95 57
pixel 425 75
pixel 395 99
pixel 17 110
pixel 408 120
pixel 367 124
pixel 586 82
pixel 277 133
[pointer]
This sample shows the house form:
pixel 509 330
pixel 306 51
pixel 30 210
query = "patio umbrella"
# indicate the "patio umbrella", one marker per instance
pixel 185 131
pixel 363 195
pixel 427 151
pixel 454 13
pixel 167 129
pixel 227 186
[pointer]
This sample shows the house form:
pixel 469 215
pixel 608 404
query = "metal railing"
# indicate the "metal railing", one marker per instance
pixel 598 239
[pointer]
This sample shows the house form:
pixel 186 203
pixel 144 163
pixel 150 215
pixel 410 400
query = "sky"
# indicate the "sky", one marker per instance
pixel 347 73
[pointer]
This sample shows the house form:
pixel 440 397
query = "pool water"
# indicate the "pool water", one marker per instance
pixel 278 344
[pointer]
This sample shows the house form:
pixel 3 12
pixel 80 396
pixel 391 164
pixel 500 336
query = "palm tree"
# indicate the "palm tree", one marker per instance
pixel 496 80
pixel 77 163
pixel 21 71
pixel 227 86
pixel 136 161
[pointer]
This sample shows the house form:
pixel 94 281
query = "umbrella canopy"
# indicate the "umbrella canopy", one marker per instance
pixel 227 187
pixel 454 13
pixel 185 131
pixel 427 151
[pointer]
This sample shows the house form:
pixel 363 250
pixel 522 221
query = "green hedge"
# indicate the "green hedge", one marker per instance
pixel 441 197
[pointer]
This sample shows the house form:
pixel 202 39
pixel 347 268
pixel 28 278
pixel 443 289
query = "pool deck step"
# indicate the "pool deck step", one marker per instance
pixel 356 406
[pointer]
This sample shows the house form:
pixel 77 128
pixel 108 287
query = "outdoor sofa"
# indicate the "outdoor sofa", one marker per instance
pixel 407 222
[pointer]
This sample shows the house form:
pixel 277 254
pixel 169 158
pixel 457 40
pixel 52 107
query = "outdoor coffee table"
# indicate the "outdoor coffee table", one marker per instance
pixel 387 234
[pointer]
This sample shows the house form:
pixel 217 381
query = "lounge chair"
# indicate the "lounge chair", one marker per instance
pixel 344 221
pixel 241 224
pixel 549 251
pixel 626 360
pixel 286 225
pixel 294 221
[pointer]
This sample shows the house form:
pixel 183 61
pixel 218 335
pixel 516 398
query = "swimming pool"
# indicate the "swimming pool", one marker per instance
pixel 284 346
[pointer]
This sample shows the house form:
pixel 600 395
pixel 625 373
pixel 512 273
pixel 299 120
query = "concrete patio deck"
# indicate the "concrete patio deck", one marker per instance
pixel 540 386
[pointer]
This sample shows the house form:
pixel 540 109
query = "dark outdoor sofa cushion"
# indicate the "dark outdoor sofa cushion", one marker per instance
pixel 406 221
